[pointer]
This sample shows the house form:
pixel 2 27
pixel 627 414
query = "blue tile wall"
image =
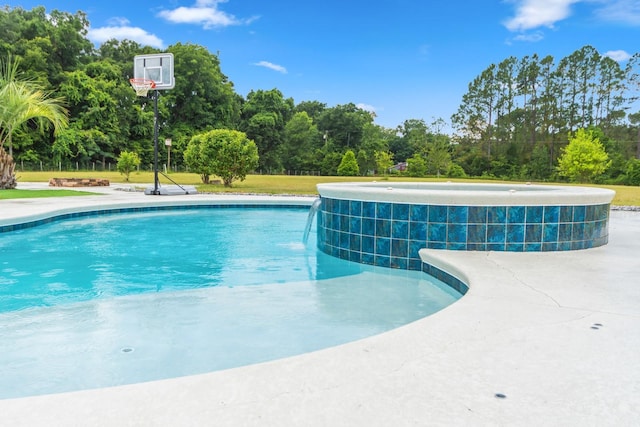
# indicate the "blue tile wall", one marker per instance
pixel 391 234
pixel 445 277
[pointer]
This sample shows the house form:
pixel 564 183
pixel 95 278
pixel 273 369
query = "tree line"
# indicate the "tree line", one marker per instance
pixel 516 117
pixel 514 122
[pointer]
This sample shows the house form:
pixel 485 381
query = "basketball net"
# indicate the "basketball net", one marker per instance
pixel 142 86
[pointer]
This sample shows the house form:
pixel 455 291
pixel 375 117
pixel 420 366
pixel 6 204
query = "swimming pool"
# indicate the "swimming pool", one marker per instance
pixel 96 301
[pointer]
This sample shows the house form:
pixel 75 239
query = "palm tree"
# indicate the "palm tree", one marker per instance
pixel 21 102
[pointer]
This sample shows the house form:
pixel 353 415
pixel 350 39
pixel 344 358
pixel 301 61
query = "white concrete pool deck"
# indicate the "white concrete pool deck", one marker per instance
pixel 558 334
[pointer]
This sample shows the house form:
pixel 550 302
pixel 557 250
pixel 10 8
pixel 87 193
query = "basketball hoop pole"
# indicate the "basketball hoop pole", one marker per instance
pixel 156 190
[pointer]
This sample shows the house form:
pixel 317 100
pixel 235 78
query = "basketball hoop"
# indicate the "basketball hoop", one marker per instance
pixel 142 86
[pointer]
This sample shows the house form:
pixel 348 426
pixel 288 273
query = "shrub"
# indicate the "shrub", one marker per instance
pixel 456 171
pixel 584 158
pixel 228 154
pixel 349 165
pixel 416 166
pixel 127 162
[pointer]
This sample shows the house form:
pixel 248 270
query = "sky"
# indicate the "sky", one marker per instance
pixel 401 59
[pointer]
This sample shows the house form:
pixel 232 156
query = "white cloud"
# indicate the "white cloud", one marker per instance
pixel 205 13
pixel 538 13
pixel 531 14
pixel 618 55
pixel 272 66
pixel 624 11
pixel 118 21
pixel 119 29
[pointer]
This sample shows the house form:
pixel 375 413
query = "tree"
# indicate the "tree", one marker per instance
pixel 375 138
pixel 228 154
pixel 476 115
pixel 127 162
pixel 399 148
pixel 538 167
pixel 22 102
pixel 511 108
pixel 312 108
pixel 345 125
pixel 49 43
pixel 384 161
pixel 349 165
pixel 329 162
pixel 300 134
pixel 203 97
pixel 438 157
pixel 264 117
pixel 95 98
pixel 415 135
pixel 632 173
pixel 635 120
pixel 77 144
pixel 416 166
pixel 584 158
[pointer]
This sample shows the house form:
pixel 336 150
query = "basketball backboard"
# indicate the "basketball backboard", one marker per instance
pixel 157 67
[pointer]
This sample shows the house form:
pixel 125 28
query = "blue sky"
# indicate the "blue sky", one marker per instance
pixel 402 59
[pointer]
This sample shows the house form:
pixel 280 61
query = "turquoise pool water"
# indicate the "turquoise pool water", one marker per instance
pixel 124 298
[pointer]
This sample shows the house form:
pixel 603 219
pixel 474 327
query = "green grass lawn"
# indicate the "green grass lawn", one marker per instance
pixel 257 184
pixel 34 194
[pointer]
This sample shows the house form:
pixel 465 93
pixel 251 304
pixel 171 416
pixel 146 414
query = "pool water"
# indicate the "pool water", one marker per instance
pixel 119 299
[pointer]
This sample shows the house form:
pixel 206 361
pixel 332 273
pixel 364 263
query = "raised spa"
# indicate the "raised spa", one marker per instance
pixel 387 224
